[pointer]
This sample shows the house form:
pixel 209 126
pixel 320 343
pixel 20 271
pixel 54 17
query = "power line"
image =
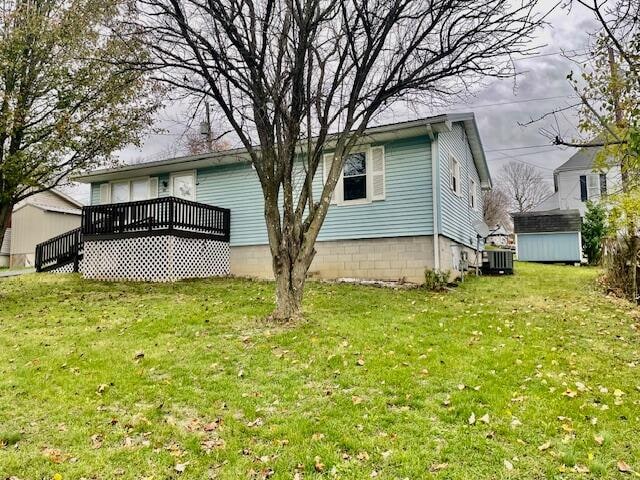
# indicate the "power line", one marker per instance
pixel 550 54
pixel 527 100
pixel 518 148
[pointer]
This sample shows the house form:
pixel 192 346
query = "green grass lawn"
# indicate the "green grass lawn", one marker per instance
pixel 125 380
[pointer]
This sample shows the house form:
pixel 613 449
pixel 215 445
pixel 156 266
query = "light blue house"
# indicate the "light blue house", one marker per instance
pixel 407 201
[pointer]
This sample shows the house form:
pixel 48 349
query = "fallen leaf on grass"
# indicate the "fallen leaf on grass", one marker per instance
pixel 624 467
pixel 258 422
pixel 211 426
pixel 508 465
pixel 485 418
pixel 472 419
pixel 364 456
pixel 436 467
pixel 318 465
pixel 56 456
pixel 96 441
pixel 360 362
pixel 581 469
pixel 212 444
pixel 180 467
pixel 544 446
pixel 598 439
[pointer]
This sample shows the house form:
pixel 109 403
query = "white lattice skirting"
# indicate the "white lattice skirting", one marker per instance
pixel 162 258
pixel 68 268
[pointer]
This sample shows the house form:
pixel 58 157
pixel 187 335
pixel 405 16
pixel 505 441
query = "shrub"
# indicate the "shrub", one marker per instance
pixel 436 280
pixel 593 232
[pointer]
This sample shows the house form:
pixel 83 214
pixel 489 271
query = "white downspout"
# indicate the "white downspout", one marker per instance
pixel 435 186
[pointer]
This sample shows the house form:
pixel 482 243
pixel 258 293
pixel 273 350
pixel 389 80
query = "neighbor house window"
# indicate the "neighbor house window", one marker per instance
pixel 454 168
pixel 355 177
pixel 472 193
pixel 593 186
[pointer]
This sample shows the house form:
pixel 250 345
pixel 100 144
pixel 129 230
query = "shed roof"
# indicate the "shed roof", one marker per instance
pixel 547 221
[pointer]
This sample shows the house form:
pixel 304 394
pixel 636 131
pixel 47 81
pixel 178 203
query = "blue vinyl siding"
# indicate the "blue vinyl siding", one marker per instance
pixel 456 216
pixel 549 247
pixel 406 210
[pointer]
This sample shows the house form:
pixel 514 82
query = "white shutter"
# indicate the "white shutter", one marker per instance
pixel 153 187
pixel 326 166
pixel 105 193
pixel 377 173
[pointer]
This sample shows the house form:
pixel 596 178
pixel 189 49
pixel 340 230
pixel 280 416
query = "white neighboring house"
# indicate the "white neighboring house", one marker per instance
pixel 34 220
pixel 576 181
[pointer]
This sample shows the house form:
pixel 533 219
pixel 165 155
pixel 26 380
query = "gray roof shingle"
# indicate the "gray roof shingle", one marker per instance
pixel 583 159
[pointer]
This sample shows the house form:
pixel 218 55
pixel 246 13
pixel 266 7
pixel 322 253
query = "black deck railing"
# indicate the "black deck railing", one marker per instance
pixel 159 215
pixel 59 251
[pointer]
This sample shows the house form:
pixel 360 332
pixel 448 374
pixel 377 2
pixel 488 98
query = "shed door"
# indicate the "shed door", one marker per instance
pixel 183 185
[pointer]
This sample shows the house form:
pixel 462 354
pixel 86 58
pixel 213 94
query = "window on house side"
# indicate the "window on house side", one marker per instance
pixel 454 168
pixel 472 193
pixel 593 186
pixel 355 177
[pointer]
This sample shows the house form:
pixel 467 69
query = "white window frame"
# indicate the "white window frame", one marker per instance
pixel 130 182
pixel 596 177
pixel 367 176
pixel 473 194
pixel 454 173
pixel 182 173
pixel 337 197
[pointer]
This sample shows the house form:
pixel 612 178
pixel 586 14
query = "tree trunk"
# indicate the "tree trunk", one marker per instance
pixel 290 275
pixel 5 216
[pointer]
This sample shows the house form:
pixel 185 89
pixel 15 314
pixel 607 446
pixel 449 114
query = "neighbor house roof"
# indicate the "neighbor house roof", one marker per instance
pixel 50 208
pixel 44 202
pixel 422 126
pixel 583 159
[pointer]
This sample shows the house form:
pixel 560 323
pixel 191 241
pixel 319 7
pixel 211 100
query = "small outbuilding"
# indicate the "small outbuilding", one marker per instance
pixel 552 236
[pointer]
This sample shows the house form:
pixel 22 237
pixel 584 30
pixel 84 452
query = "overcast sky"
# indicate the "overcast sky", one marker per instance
pixel 499 106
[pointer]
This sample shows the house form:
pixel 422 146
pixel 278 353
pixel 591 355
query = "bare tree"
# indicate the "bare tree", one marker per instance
pixel 495 208
pixel 524 186
pixel 296 79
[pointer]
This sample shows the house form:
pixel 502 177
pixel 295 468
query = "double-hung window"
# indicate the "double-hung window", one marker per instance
pixel 593 186
pixel 473 189
pixel 362 179
pixel 454 169
pixel 354 180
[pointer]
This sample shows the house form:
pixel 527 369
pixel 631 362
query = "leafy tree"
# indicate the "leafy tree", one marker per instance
pixel 66 102
pixel 594 230
pixel 295 77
